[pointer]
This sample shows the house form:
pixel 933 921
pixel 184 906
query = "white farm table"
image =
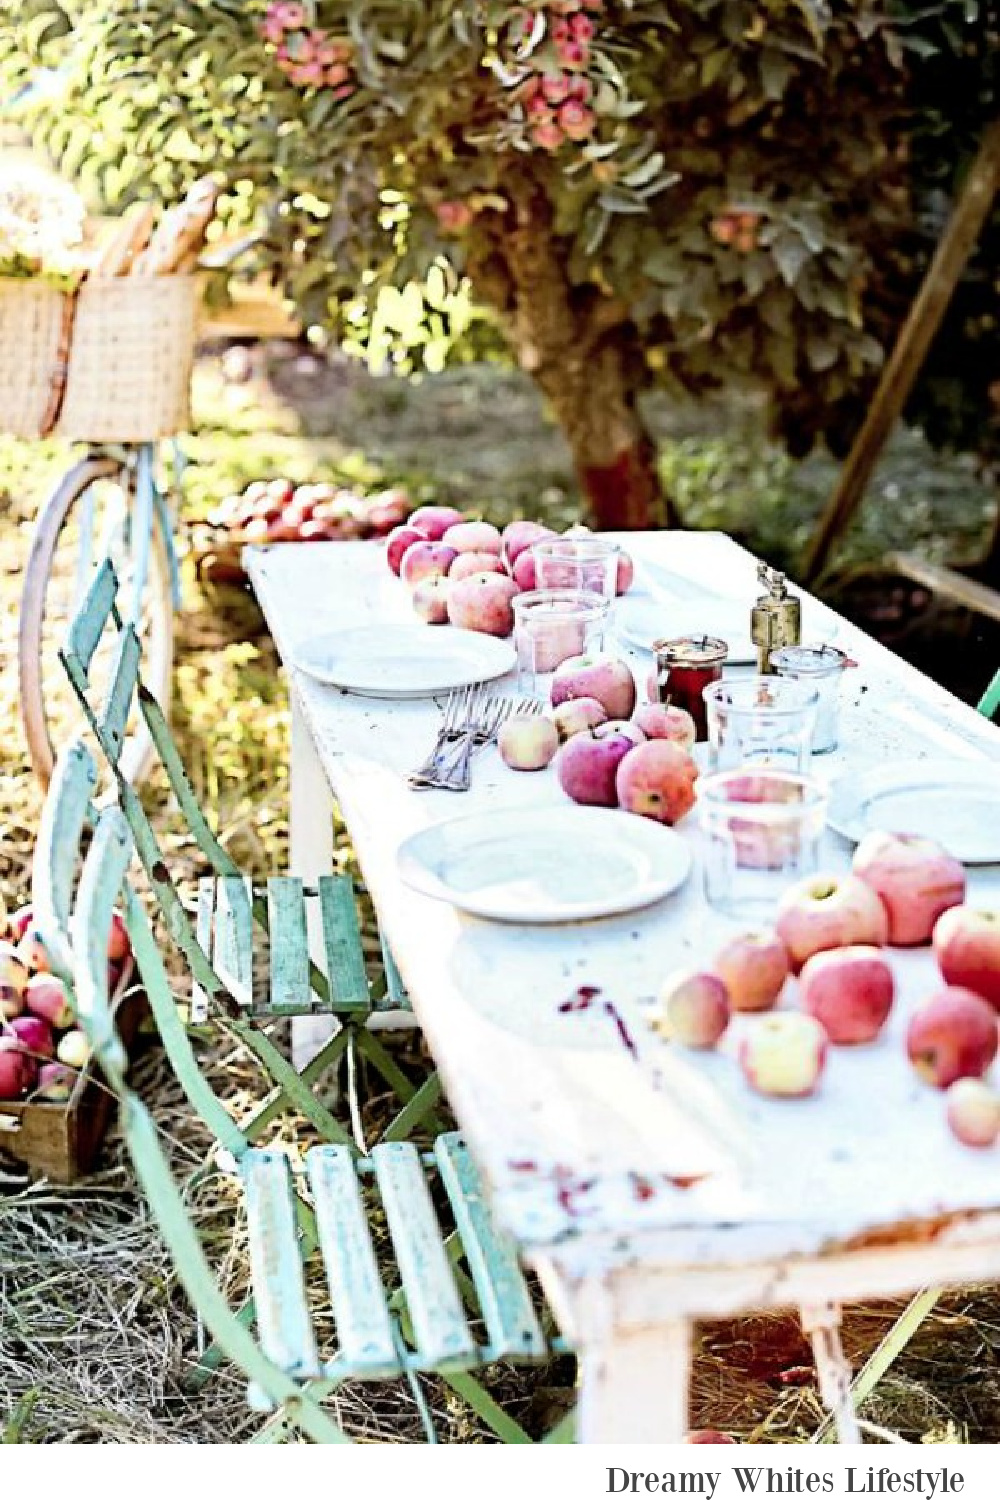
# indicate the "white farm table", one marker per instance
pixel 648 1188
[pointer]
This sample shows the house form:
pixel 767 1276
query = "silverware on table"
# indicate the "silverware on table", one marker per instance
pixel 472 720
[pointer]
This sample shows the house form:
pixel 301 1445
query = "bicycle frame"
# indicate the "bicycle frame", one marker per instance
pixel 149 509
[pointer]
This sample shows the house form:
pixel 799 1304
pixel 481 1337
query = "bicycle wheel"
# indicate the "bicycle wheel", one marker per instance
pixel 85 519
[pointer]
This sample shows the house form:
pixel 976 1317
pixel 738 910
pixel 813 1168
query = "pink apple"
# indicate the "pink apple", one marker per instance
pixel 521 534
pixel 527 742
pixel 18 1071
pixel 47 996
pixel 474 536
pixel 593 676
pixel 523 571
pixel 467 563
pixel 14 976
pixel 482 602
pixel 973 1112
pixel 626 573
pixel 399 540
pixel 916 879
pixel 119 946
pixel 19 923
pixel 966 943
pixel 626 726
pixel 35 1035
pixel 576 715
pixel 586 765
pixel 707 1435
pixel 32 952
pixel 432 521
pixel 694 1009
pixel 953 1035
pixel 754 966
pixel 426 560
pixel 782 1055
pixel 56 1082
pixel 663 721
pixel 656 780
pixel 430 600
pixel 829 911
pixel 849 991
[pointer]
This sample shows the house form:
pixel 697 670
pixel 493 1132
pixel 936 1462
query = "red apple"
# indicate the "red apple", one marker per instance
pixel 399 541
pixel 434 520
pixel 430 600
pixel 782 1055
pixel 426 560
pixel 664 721
pixel 576 715
pixel 47 996
pixel 521 534
pixel 14 976
pixel 656 780
pixel 916 879
pixel 966 943
pixel 625 576
pixel 707 1435
pixel 973 1112
pixel 17 1070
pixel 467 563
pixel 694 1009
pixel 35 1036
pixel 523 571
pixel 754 967
pixel 527 742
pixel 482 602
pixel 119 946
pixel 829 911
pixel 849 991
pixel 588 762
pixel 474 536
pixel 953 1035
pixel 593 676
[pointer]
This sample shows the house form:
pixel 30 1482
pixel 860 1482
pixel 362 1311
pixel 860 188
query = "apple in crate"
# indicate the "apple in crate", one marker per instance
pixel 47 996
pixel 18 1071
pixel 849 991
pixel 966 941
pixel 398 542
pixel 783 1055
pixel 521 534
pixel 430 600
pixel 829 911
pixel 425 560
pixel 482 603
pixel 119 946
pixel 663 721
pixel 14 976
pixel 527 742
pixel 754 966
pixel 972 1110
pixel 915 877
pixel 588 763
pixel 576 715
pixel 73 1049
pixel 32 952
pixel 467 563
pixel 694 1009
pixel 432 521
pixel 605 678
pixel 474 536
pixel 35 1036
pixel 953 1035
pixel 656 780
pixel 19 923
pixel 56 1082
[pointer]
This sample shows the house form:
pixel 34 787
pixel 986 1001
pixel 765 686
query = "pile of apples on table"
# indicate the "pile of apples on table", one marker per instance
pixel 831 933
pixel 42 1051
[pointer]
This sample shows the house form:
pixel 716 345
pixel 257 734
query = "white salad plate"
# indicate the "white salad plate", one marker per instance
pixel 403 661
pixel 955 802
pixel 641 620
pixel 561 864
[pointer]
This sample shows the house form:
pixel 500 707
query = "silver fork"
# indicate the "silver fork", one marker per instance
pixel 457 716
pixel 492 714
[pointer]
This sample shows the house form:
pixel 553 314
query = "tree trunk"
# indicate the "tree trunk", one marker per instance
pixel 582 350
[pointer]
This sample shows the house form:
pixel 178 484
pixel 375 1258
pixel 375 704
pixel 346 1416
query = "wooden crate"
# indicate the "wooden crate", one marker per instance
pixel 61 1141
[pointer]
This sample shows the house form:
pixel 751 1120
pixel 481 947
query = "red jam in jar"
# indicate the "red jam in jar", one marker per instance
pixel 685 666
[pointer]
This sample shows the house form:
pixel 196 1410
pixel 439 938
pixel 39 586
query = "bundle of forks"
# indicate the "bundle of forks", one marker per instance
pixel 472 719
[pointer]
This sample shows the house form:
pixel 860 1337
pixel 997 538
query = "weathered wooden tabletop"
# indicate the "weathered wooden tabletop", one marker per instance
pixel 665 1158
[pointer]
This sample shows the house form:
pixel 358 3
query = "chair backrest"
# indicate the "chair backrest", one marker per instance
pixel 990 701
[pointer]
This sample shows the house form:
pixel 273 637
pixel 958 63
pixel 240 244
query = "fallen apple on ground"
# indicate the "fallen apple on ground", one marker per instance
pixel 972 1109
pixel 966 942
pixel 754 967
pixel 783 1055
pixel 915 878
pixel 953 1035
pixel 694 1009
pixel 849 991
pixel 829 911
pixel 656 780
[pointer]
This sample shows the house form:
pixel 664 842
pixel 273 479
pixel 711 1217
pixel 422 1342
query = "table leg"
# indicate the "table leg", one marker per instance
pixel 822 1325
pixel 310 829
pixel 634 1386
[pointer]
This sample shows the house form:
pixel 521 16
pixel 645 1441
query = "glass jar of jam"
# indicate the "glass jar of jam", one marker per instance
pixel 685 665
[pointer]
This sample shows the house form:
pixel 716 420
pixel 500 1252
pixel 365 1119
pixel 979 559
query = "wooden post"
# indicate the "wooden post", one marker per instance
pixel 910 351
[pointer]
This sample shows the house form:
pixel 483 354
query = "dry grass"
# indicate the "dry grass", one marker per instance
pixel 96 1341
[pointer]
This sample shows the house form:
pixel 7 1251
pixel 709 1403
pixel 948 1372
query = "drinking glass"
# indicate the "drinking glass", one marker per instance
pixel 762 831
pixel 760 721
pixel 551 625
pixel 820 667
pixel 577 562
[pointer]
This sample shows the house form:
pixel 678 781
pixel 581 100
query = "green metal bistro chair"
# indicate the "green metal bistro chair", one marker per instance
pixel 218 945
pixel 990 701
pixel 462 1302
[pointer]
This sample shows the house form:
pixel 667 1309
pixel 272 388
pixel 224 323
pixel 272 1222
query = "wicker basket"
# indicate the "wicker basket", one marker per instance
pixel 130 355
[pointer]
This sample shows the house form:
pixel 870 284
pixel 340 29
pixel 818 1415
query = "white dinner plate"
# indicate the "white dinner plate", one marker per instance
pixel 642 619
pixel 403 661
pixel 955 802
pixel 560 864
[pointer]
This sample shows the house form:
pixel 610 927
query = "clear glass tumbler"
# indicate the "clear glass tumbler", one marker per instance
pixel 820 667
pixel 760 721
pixel 577 562
pixel 551 625
pixel 762 832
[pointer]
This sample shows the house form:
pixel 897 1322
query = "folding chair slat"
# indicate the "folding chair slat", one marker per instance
pixel 125 673
pixel 364 1328
pixel 510 1319
pixel 442 1335
pixel 283 1321
pixel 64 816
pixel 291 991
pixel 345 964
pixel 89 623
pixel 233 954
pixel 203 932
